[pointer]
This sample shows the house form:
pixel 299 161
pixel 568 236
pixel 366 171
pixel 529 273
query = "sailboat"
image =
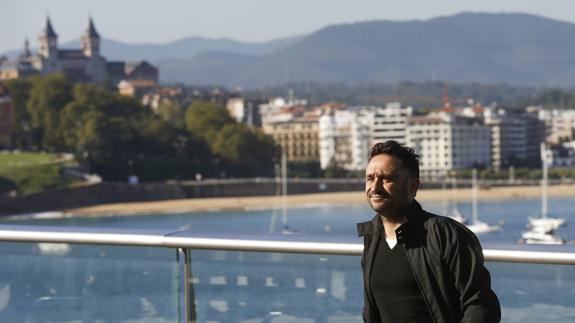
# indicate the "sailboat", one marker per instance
pixel 544 222
pixel 541 235
pixel 477 226
pixel 282 186
pixel 453 211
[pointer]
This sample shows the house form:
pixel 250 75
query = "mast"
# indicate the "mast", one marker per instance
pixel 444 198
pixel 474 195
pixel 454 208
pixel 277 195
pixel 284 189
pixel 544 189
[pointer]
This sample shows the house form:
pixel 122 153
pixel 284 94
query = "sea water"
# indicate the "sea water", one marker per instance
pixel 71 283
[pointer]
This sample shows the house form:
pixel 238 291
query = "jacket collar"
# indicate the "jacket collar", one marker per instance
pixel 415 217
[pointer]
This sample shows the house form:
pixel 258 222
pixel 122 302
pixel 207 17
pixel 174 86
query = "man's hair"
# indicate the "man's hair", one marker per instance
pixel 408 157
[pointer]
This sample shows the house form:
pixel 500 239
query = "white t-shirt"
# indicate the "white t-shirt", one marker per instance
pixel 391 242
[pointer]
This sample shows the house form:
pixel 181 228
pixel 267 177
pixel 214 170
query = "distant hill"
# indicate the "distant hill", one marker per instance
pixel 180 49
pixel 517 49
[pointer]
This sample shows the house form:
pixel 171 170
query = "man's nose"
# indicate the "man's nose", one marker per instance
pixel 377 184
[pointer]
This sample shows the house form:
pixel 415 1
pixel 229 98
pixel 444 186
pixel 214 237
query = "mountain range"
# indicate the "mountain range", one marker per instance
pixel 517 49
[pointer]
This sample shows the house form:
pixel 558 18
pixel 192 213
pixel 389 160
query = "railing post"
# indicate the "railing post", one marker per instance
pixel 187 299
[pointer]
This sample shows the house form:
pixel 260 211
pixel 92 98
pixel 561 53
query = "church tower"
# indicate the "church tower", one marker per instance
pixel 48 41
pixel 91 41
pixel 26 53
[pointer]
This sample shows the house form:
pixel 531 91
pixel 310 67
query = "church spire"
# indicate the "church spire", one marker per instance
pixel 91 30
pixel 26 48
pixel 48 40
pixel 48 31
pixel 91 40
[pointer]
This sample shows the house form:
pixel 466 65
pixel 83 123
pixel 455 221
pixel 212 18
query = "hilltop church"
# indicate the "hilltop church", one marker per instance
pixel 80 65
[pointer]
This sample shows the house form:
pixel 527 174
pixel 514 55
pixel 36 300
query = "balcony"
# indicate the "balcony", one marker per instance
pixel 68 274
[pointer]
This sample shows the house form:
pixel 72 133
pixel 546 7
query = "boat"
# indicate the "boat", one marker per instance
pixel 453 211
pixel 545 222
pixel 457 216
pixel 478 226
pixel 541 235
pixel 282 187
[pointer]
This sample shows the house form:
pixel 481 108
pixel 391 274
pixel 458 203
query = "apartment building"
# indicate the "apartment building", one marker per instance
pixel 244 111
pixel 515 137
pixel 447 142
pixel 559 155
pixel 298 136
pixel 344 138
pixel 389 123
pixel 559 124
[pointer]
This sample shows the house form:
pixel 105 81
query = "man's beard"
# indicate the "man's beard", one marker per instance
pixel 392 208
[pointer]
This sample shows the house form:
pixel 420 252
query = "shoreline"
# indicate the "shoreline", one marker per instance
pixel 266 202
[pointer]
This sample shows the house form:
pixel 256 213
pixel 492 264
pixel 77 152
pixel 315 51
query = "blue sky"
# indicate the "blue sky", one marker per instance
pixel 139 21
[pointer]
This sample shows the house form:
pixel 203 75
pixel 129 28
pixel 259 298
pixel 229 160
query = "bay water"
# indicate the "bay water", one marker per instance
pixel 74 283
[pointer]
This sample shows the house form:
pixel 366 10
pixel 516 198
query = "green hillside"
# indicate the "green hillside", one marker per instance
pixel 27 172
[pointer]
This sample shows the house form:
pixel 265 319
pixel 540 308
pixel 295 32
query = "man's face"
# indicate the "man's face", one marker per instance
pixel 388 185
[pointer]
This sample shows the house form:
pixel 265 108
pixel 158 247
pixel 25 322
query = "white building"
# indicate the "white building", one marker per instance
pixel 270 110
pixel 390 123
pixel 244 111
pixel 559 155
pixel 560 124
pixel 515 137
pixel 446 142
pixel 344 138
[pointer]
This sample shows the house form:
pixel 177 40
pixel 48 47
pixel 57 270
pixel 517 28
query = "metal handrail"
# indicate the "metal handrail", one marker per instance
pixel 187 239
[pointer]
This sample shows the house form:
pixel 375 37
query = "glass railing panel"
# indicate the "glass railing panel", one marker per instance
pixel 534 293
pixel 282 287
pixel 42 282
pixel 232 286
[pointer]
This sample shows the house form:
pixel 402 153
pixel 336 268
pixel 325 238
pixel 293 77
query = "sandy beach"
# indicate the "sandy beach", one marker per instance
pixel 258 202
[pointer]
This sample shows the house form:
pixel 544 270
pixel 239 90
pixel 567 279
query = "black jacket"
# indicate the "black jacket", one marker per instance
pixel 447 262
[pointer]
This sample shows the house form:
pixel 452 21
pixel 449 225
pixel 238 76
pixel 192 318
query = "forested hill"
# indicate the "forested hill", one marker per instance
pixel 517 49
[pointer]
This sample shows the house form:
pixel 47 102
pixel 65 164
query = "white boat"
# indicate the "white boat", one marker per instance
pixel 282 187
pixel 453 211
pixel 540 235
pixel 477 226
pixel 457 216
pixel 544 221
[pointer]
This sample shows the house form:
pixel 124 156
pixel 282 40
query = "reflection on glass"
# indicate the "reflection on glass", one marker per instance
pixel 274 287
pixel 71 283
pixel 266 287
pixel 534 293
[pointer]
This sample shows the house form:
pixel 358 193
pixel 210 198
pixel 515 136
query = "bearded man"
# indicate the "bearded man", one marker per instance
pixel 417 266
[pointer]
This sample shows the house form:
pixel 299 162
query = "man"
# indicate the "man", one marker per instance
pixel 417 266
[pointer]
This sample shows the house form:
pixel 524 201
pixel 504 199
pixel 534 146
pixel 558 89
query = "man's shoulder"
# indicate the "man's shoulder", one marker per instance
pixel 447 226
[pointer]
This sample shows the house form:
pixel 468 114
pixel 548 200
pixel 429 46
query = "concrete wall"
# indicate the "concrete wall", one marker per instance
pixel 105 193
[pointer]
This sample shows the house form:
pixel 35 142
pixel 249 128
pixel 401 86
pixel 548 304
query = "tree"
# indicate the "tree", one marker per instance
pixel 98 122
pixel 172 113
pixel 205 119
pixel 19 90
pixel 48 97
pixel 245 151
pixel 117 137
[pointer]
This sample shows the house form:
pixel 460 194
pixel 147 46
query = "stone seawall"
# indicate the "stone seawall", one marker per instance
pixel 106 193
